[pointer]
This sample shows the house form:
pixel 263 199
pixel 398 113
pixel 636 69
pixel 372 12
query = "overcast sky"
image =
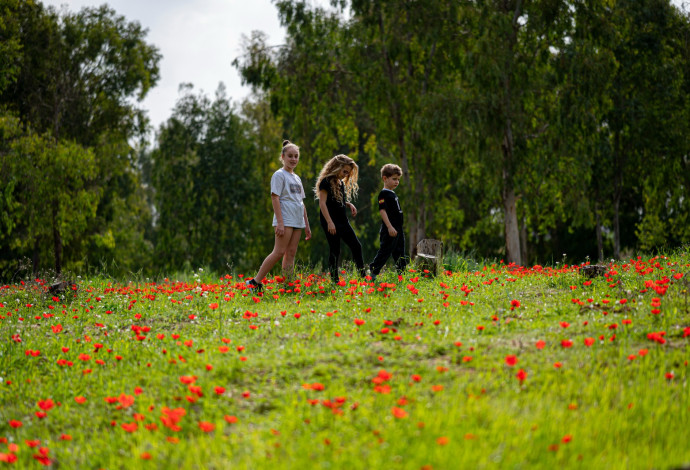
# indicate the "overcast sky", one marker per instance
pixel 198 39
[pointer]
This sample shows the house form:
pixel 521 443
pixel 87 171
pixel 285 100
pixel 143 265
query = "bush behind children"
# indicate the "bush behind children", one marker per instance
pixel 336 187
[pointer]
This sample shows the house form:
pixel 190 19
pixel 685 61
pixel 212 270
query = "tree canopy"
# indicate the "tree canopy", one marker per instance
pixel 525 130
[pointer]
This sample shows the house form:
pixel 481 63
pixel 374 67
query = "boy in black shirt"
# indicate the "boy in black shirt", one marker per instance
pixel 391 233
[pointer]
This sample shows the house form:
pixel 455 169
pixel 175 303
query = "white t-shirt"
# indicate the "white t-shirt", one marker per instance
pixel 289 187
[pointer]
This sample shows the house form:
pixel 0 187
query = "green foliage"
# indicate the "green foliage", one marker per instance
pixel 49 194
pixel 203 186
pixel 77 79
pixel 525 130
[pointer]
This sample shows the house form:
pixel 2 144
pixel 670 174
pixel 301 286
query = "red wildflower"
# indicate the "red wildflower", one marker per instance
pixel 46 405
pixel 521 375
pixel 206 426
pixel 566 343
pixel 511 360
pixel 129 427
pixel 589 341
pixel 399 412
pixel 540 344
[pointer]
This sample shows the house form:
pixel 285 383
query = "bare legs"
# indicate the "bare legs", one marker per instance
pixel 286 248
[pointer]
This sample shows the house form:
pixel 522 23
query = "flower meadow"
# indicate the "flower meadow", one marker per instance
pixel 494 367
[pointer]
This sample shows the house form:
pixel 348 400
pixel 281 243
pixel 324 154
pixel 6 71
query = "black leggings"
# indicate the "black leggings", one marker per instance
pixel 390 246
pixel 346 234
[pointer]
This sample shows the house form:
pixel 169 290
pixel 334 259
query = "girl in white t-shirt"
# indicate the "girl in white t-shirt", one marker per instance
pixel 290 215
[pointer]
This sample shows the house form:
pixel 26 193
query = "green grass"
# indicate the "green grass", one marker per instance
pixel 319 391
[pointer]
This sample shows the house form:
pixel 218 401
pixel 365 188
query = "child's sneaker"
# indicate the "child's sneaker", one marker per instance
pixel 252 284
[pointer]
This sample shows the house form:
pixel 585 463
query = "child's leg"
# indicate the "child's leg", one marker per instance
pixel 279 249
pixel 387 245
pixel 350 238
pixel 333 251
pixel 398 253
pixel 291 251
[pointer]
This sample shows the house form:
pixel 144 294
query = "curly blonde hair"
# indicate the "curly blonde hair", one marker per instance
pixel 332 168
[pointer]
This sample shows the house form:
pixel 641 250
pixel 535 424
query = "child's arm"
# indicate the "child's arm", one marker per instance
pixel 323 195
pixel 307 230
pixel 352 207
pixel 280 227
pixel 384 217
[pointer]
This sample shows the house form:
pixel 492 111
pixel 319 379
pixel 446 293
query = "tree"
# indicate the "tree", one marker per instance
pixel 47 194
pixel 79 77
pixel 508 76
pixel 204 185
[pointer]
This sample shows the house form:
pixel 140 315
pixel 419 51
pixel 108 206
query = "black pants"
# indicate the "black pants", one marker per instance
pixel 346 234
pixel 390 246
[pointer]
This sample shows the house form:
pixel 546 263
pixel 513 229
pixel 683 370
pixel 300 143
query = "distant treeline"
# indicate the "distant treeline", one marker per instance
pixel 525 129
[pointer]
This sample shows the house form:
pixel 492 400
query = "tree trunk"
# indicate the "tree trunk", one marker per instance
pixel 512 229
pixel 616 226
pixel 512 232
pixel 417 222
pixel 57 240
pixel 523 241
pixel 36 257
pixel 600 242
pixel 619 164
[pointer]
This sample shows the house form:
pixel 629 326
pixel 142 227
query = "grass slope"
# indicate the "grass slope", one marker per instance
pixel 500 367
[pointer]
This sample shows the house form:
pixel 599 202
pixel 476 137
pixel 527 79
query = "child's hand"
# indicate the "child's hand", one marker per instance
pixel 331 228
pixel 307 233
pixel 353 209
pixel 392 232
pixel 280 230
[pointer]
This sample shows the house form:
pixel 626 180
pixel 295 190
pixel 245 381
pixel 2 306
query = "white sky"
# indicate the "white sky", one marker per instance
pixel 198 40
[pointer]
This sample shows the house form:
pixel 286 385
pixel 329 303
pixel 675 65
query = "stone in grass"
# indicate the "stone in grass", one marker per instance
pixel 62 287
pixel 429 256
pixel 593 270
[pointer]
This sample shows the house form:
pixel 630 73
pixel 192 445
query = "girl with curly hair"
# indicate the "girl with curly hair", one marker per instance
pixel 335 188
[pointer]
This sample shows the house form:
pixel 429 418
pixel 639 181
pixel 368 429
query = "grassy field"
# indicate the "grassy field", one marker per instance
pixel 493 367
